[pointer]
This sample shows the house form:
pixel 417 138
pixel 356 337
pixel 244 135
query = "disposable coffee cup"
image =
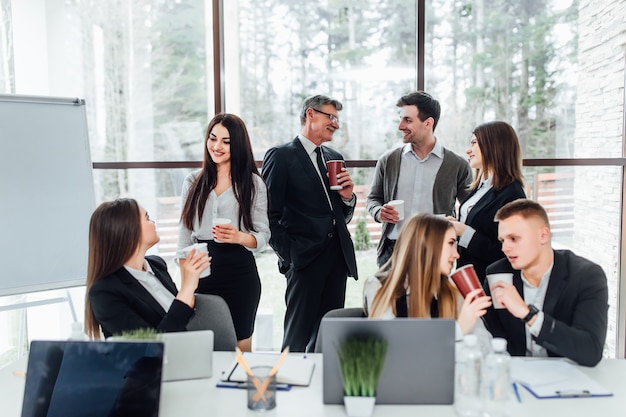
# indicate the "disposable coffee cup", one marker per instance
pixel 399 206
pixel 493 278
pixel 334 168
pixel 261 388
pixel 199 247
pixel 466 280
pixel 220 221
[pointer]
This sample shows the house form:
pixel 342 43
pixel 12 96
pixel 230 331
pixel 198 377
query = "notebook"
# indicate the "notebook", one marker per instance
pixel 419 366
pixel 98 379
pixel 188 355
pixel 295 370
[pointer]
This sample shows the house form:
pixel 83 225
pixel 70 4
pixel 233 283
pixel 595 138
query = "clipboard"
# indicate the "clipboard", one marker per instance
pixel 555 378
pixel 295 370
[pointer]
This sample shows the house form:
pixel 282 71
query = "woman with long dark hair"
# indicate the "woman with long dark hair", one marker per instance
pixel 228 187
pixel 496 156
pixel 127 290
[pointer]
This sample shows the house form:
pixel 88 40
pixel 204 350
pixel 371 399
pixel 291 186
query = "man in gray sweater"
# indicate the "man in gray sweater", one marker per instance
pixel 427 176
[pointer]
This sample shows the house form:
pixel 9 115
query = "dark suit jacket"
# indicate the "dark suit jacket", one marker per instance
pixel 575 311
pixel 121 303
pixel 485 248
pixel 301 221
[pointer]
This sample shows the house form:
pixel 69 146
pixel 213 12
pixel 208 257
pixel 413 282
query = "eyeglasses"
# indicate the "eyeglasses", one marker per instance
pixel 332 117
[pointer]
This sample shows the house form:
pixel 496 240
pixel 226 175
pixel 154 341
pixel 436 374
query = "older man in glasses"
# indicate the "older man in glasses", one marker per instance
pixel 308 222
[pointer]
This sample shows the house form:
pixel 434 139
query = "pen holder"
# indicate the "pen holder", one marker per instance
pixel 261 389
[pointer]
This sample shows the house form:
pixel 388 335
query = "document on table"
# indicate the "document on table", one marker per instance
pixel 555 378
pixel 295 370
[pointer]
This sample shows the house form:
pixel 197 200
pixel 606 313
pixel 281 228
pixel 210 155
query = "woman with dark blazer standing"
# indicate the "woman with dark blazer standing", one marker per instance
pixel 229 187
pixel 496 157
pixel 127 290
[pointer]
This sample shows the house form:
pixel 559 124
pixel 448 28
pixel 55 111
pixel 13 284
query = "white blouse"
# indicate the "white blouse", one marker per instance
pixel 225 205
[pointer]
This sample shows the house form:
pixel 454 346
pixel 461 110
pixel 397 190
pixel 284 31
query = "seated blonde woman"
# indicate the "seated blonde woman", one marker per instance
pixel 414 282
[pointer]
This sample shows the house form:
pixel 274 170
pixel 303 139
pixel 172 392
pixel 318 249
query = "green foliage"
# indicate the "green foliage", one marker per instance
pixel 361 234
pixel 139 334
pixel 362 361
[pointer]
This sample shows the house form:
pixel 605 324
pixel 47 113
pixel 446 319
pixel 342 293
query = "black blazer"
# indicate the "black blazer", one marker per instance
pixel 301 220
pixel 485 248
pixel 120 303
pixel 575 311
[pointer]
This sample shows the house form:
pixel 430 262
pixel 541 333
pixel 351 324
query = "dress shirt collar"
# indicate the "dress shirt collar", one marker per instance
pixel 309 146
pixel 139 275
pixel 437 150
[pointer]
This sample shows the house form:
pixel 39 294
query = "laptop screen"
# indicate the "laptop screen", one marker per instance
pixel 98 379
pixel 419 365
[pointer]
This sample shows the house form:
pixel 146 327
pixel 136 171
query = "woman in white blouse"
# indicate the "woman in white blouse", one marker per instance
pixel 496 157
pixel 415 283
pixel 228 187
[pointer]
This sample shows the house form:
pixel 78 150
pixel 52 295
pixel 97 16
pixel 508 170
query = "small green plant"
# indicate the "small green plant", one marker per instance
pixel 138 334
pixel 361 363
pixel 361 234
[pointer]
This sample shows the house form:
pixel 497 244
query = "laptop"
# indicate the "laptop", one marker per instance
pixel 188 355
pixel 419 366
pixel 97 379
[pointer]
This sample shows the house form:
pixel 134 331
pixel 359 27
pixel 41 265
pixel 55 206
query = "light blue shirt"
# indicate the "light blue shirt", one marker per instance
pixel 416 181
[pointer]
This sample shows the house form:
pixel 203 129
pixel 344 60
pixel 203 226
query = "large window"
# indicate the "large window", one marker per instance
pixel 148 70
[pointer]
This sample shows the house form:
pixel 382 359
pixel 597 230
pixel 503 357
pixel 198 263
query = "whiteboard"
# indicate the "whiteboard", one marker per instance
pixel 46 193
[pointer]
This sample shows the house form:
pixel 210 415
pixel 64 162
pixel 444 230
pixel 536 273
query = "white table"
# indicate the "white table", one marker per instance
pixel 203 398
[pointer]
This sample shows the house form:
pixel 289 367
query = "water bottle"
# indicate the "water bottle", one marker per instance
pixel 467 401
pixel 497 384
pixel 77 332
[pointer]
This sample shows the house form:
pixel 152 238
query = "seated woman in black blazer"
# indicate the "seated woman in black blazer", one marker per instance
pixel 127 290
pixel 496 157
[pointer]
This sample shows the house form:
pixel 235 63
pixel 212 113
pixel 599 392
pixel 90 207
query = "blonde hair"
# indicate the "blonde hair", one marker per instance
pixel 415 265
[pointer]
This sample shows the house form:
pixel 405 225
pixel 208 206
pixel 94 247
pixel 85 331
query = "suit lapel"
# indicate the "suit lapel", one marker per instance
pixel 558 279
pixel 483 202
pixel 139 291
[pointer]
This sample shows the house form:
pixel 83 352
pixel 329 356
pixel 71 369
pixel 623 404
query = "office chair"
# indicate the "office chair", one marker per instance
pixel 339 312
pixel 212 313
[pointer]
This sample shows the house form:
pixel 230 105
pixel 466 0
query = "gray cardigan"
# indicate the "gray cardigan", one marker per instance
pixel 451 184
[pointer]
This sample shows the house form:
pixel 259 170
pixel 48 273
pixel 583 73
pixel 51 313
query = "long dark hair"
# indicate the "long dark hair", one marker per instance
pixel 501 153
pixel 242 171
pixel 114 236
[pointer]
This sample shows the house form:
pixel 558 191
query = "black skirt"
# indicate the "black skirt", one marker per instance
pixel 235 278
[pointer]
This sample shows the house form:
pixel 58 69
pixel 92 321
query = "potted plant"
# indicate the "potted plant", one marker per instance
pixel 361 364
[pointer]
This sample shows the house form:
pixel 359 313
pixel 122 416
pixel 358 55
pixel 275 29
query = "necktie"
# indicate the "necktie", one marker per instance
pixel 322 167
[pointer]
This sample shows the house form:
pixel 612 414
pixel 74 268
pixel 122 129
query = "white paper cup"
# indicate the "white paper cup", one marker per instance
pixel 399 206
pixel 218 221
pixel 506 277
pixel 199 247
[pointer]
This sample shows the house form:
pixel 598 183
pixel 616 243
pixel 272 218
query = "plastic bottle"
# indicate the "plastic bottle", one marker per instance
pixel 497 385
pixel 467 401
pixel 77 332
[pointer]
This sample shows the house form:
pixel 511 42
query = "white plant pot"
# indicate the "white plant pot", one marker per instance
pixel 359 406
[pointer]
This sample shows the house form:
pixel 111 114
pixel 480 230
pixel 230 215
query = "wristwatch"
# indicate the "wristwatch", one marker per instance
pixel 531 313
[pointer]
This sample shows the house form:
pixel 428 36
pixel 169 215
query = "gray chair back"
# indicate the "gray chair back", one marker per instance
pixel 339 312
pixel 212 313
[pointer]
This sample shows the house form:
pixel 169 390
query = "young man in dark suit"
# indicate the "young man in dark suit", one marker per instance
pixel 558 302
pixel 308 222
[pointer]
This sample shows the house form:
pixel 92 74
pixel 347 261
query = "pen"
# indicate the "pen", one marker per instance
pixel 519 399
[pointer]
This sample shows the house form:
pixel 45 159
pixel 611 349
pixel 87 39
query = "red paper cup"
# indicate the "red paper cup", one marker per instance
pixel 334 168
pixel 466 280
